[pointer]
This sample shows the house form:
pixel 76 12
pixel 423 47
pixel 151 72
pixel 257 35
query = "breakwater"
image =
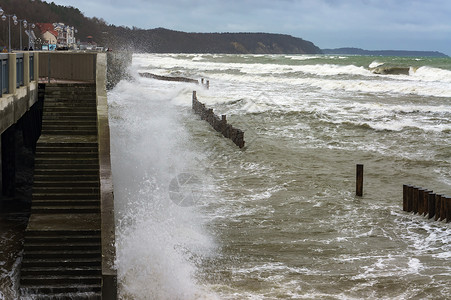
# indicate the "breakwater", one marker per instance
pixel 219 124
pixel 169 78
pixel 426 203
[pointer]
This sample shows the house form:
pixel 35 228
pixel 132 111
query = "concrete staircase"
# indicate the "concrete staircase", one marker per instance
pixel 62 251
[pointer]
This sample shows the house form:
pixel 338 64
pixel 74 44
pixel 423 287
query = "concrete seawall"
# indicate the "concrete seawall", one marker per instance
pixel 61 68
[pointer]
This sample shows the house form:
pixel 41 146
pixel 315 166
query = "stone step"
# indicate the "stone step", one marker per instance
pixel 71 271
pixel 62 245
pixel 60 279
pixel 67 154
pixel 67 110
pixel 61 291
pixel 66 203
pixel 40 148
pixel 66 173
pixel 69 132
pixel 66 190
pixel 71 126
pixel 57 263
pixel 43 238
pixel 66 184
pixel 54 102
pixel 58 254
pixel 46 210
pixel 65 196
pixel 73 122
pixel 65 209
pixel 69 118
pixel 69 162
pixel 64 145
pixel 62 233
pixel 68 177
pixel 44 166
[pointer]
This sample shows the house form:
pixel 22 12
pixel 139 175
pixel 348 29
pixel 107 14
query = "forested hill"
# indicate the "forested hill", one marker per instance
pixel 153 40
pixel 162 40
pixel 405 53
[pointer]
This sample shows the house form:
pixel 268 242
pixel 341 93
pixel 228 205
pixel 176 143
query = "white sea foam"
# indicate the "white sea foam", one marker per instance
pixel 157 240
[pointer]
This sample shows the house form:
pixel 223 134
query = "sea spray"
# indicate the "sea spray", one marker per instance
pixel 159 243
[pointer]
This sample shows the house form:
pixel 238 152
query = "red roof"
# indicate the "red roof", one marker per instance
pixel 44 27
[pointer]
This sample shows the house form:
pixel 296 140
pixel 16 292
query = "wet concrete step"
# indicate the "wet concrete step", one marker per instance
pixel 70 132
pixel 70 271
pixel 43 246
pixel 52 166
pixel 62 237
pixel 65 196
pixel 70 103
pixel 66 203
pixel 69 117
pixel 63 190
pixel 70 126
pixel 69 162
pixel 66 263
pixel 62 291
pixel 67 154
pixel 65 209
pixel 67 177
pixel 61 174
pixel 56 254
pixel 63 122
pixel 65 144
pixel 60 279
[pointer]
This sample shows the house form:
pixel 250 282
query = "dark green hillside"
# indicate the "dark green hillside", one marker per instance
pixel 153 40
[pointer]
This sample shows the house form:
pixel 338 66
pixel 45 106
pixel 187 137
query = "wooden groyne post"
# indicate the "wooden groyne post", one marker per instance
pixel 219 124
pixel 359 180
pixel 426 203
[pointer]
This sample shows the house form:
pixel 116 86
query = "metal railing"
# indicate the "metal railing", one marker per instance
pixel 19 70
pixel 4 74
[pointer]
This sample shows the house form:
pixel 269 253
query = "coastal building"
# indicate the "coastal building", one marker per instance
pixel 59 35
pixel 48 32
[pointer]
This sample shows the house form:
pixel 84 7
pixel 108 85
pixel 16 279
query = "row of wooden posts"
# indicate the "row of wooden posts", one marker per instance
pixel 220 125
pixel 204 83
pixel 424 202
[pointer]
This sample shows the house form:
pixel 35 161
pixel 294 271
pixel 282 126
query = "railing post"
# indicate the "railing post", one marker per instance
pixel 12 73
pixel 36 66
pixel 26 69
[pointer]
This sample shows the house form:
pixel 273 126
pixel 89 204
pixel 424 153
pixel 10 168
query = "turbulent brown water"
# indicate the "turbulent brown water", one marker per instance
pixel 280 219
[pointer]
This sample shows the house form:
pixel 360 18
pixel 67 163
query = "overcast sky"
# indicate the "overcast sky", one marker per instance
pixel 367 24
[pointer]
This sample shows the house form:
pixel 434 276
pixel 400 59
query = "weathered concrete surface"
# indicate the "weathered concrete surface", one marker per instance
pixel 109 273
pixel 14 106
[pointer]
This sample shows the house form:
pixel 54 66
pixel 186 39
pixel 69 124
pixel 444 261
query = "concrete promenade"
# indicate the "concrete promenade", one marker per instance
pixel 69 247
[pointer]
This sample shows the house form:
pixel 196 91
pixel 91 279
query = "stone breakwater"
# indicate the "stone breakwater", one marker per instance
pixel 219 124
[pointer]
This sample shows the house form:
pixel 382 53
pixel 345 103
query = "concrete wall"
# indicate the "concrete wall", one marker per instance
pixel 68 66
pixel 109 273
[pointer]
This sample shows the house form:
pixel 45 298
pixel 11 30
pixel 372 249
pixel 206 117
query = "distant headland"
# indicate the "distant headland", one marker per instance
pixel 406 53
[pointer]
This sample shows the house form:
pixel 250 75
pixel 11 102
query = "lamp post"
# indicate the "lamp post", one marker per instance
pixel 23 23
pixel 31 36
pixel 9 25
